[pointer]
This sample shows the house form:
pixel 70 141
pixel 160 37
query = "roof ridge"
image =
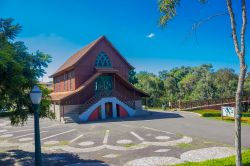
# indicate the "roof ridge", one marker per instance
pixel 78 55
pixel 74 59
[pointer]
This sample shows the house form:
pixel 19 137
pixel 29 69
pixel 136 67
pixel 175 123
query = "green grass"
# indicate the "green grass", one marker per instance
pixel 184 146
pixel 244 120
pixel 129 145
pixel 60 143
pixel 228 161
pixel 64 143
pixel 3 139
pixel 208 112
pixel 216 114
pixel 154 109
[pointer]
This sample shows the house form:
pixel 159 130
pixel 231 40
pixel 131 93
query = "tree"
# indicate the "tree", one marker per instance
pixel 227 76
pixel 151 84
pixel 189 83
pixel 132 77
pixel 163 74
pixel 247 84
pixel 204 88
pixel 19 72
pixel 173 86
pixel 168 11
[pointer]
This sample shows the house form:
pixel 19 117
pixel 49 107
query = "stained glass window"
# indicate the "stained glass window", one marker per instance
pixel 102 60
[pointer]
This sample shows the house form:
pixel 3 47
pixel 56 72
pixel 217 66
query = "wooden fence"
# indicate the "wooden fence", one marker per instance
pixel 195 104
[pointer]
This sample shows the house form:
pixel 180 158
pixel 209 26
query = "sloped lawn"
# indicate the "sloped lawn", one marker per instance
pixel 228 161
pixel 216 114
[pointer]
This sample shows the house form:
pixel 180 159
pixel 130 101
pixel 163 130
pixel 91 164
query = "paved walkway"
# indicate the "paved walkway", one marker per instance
pixel 192 124
pixel 162 138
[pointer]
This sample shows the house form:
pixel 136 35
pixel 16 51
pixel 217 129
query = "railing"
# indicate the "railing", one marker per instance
pixel 203 103
pixel 124 99
pixel 103 94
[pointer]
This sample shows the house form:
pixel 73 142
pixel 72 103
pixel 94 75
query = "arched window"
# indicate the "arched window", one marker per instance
pixel 102 60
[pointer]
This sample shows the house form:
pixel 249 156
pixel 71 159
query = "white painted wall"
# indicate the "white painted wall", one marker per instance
pixel 57 112
pixel 85 115
pixel 59 109
pixel 138 105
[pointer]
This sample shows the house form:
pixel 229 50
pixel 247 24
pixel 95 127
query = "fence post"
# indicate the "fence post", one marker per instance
pixel 63 112
pixel 179 104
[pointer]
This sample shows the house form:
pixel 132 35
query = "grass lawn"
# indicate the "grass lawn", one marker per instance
pixel 216 114
pixel 228 161
pixel 154 109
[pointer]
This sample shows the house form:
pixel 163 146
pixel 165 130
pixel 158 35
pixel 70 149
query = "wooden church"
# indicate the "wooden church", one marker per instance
pixel 93 84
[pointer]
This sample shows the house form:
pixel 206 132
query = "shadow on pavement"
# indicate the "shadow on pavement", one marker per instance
pixel 24 158
pixel 153 115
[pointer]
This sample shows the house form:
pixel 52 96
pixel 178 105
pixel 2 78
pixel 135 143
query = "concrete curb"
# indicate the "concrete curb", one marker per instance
pixel 192 113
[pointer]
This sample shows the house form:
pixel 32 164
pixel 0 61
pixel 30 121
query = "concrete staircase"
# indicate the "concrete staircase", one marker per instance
pixel 72 117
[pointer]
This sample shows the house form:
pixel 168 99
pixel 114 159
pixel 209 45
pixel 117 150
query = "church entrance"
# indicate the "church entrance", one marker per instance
pixel 108 110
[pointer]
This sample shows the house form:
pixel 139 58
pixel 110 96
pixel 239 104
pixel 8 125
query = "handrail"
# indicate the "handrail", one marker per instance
pixel 203 103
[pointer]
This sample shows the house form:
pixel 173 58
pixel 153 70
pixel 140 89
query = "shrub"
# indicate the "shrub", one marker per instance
pixel 245 114
pixel 210 114
pixel 6 114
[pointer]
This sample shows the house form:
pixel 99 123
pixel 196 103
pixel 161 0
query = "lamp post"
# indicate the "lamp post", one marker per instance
pixel 36 96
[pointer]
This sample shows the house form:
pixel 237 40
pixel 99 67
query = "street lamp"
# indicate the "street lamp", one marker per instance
pixel 36 96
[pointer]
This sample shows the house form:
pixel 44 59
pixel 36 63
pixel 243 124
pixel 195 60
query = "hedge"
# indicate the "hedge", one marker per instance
pixel 5 114
pixel 209 114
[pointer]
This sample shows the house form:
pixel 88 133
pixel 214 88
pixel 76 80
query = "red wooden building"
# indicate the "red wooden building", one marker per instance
pixel 93 84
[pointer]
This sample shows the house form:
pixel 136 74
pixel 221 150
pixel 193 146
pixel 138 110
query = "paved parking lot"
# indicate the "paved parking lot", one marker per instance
pixel 128 142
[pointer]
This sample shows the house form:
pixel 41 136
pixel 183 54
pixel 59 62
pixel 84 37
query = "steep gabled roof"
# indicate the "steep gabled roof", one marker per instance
pixel 69 64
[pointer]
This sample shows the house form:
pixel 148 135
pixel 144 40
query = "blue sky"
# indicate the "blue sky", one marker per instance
pixel 61 28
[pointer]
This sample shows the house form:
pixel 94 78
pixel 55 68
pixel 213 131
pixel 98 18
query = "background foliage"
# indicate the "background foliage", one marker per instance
pixel 189 83
pixel 19 72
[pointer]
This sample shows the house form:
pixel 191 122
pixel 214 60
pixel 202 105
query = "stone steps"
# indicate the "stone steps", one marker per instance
pixel 71 118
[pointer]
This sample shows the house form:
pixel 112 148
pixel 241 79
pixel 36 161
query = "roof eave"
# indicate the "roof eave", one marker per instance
pixel 61 72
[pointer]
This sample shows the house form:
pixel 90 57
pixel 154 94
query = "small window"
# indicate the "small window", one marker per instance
pixel 102 60
pixel 65 82
pixel 70 82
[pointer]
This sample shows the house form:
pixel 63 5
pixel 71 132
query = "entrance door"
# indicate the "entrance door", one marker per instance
pixel 108 110
pixel 103 83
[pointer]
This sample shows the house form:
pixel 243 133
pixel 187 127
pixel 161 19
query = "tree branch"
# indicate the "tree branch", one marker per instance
pixel 243 28
pixel 233 26
pixel 199 23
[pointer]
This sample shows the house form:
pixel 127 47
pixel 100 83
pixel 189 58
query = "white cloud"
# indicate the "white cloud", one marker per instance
pixel 151 35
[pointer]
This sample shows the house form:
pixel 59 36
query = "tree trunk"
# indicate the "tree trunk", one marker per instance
pixel 238 110
pixel 240 51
